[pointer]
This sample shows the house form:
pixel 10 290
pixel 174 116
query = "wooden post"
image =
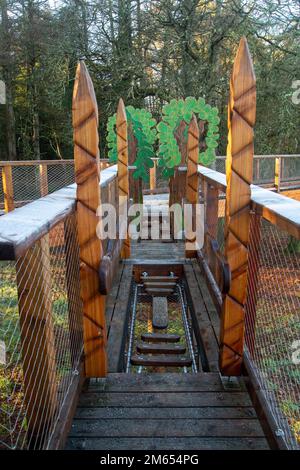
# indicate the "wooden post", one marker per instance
pixel 239 172
pixel 153 175
pixel 8 188
pixel 212 210
pixel 123 178
pixel 192 181
pixel 43 179
pixel 87 176
pixel 37 338
pixel 277 173
pixel 134 184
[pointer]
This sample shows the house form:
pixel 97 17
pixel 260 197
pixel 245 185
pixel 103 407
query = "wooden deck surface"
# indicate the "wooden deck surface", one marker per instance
pixel 165 410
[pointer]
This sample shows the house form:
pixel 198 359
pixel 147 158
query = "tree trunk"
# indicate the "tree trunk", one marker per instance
pixel 7 75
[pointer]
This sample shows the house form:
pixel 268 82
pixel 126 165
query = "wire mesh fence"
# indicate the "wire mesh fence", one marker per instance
pixel 32 180
pixel 273 322
pixel 40 338
pixel 264 168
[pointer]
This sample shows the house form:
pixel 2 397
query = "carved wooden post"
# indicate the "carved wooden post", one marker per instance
pixel 87 173
pixel 43 179
pixel 192 181
pixel 239 169
pixel 8 188
pixel 37 338
pixel 123 179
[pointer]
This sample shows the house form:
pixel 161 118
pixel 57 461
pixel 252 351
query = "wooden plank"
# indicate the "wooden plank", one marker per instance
pixel 87 170
pixel 239 172
pixel 212 312
pixel 123 176
pixel 111 299
pixel 67 412
pixel 202 326
pixel 189 443
pixel 8 188
pixel 117 333
pixel 164 382
pixel 154 348
pixel 192 183
pixel 161 361
pixel 161 279
pixel 170 284
pixel 159 291
pixel 165 399
pixel 166 427
pixel 154 268
pixel 159 310
pixel 167 413
pixel 37 338
pixel 157 337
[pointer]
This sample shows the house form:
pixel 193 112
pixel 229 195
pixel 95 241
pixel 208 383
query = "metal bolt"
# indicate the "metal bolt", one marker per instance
pixel 279 432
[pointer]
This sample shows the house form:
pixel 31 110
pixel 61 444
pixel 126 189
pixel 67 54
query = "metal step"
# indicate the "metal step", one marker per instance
pixel 161 361
pixel 160 348
pixel 160 337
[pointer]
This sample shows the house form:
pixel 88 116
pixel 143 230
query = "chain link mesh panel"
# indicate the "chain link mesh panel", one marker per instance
pixel 40 337
pixel 273 322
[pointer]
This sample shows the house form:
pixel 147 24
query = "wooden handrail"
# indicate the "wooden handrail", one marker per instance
pixel 276 208
pixel 21 228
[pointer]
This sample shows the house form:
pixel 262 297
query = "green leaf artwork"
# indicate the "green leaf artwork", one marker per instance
pixel 144 130
pixel 182 110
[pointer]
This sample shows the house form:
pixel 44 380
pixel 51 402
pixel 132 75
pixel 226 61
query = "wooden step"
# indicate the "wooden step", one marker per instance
pixel 160 348
pixel 167 284
pixel 160 337
pixel 159 291
pixel 160 312
pixel 161 361
pixel 159 278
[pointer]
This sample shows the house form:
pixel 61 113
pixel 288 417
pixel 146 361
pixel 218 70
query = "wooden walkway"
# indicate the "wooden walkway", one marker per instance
pixel 157 411
pixel 165 411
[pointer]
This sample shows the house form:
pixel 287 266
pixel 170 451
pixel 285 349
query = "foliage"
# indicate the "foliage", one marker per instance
pixel 144 130
pixel 182 110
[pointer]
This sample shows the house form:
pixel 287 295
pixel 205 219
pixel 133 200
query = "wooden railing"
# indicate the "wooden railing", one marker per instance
pixel 39 247
pixel 24 181
pixel 55 271
pixel 41 177
pixel 270 170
